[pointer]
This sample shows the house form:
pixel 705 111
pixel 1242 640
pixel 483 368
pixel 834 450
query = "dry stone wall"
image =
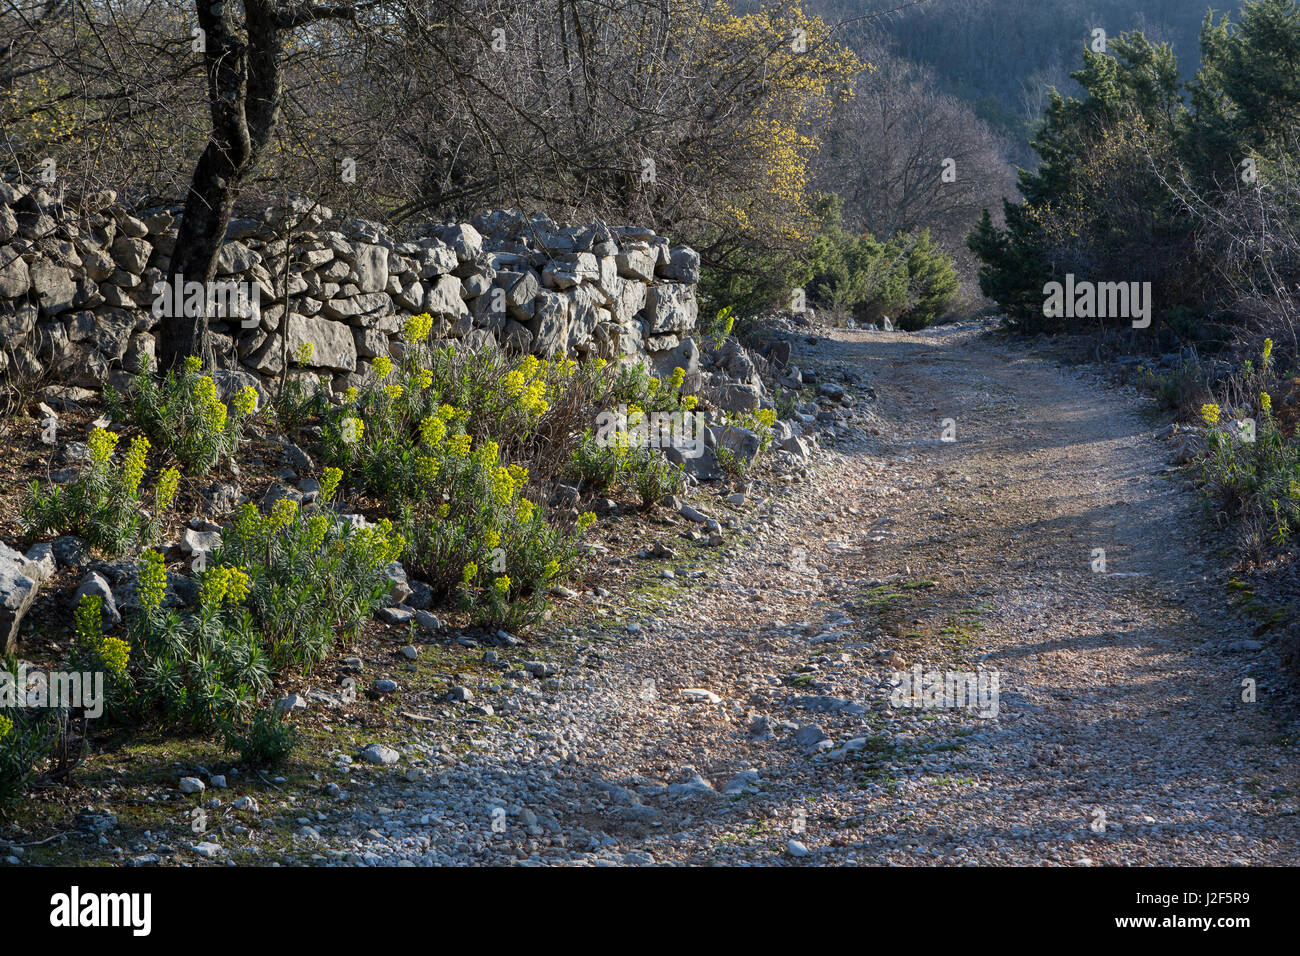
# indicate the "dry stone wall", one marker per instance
pixel 82 294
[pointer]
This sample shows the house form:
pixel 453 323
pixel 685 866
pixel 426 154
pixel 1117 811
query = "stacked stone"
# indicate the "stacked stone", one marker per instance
pixel 79 293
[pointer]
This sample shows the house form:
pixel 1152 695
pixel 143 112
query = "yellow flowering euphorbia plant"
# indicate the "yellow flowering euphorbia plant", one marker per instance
pixel 103 504
pixel 184 416
pixel 441 434
pixel 1249 470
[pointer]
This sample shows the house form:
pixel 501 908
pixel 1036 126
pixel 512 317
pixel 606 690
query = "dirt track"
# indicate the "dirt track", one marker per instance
pixel 1122 736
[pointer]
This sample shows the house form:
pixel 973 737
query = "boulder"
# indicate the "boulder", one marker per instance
pixel 54 287
pixel 670 307
pixel 683 265
pixel 15 278
pixel 550 324
pixel 18 588
pixel 443 300
pixel 370 271
pixel 131 254
pixel 332 344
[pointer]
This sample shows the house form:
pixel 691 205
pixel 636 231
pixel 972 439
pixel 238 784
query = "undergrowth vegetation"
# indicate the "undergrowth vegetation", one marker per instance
pixel 467 468
pixel 1249 468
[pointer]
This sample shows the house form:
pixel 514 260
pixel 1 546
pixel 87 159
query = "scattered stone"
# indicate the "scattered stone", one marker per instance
pixel 200 542
pixel 380 755
pixel 700 695
pixel 742 783
pixel 287 705
pixel 399 590
pixel 1239 647
pixel 811 738
pixel 72 552
pixel 192 785
pixel 395 615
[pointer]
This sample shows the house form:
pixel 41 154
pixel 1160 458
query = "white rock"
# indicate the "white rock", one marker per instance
pixel 700 695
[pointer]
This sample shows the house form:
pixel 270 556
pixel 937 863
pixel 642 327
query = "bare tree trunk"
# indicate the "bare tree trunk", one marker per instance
pixel 244 89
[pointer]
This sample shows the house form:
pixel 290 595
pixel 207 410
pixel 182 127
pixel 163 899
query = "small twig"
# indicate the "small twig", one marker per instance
pixel 57 836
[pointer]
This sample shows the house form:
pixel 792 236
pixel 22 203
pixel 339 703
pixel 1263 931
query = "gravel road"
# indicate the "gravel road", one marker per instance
pixel 744 715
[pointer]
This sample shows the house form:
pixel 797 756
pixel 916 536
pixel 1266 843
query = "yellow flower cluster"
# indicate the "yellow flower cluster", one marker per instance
pixel 491 539
pixel 317 527
pixel 689 402
pixel 381 543
pixel 211 408
pixel 487 453
pixel 469 573
pixel 393 391
pixel 245 401
pixel 766 416
pixel 677 378
pixel 1268 350
pixel 329 483
pixel 512 383
pixel 524 511
pixel 458 445
pixel 303 353
pixel 215 415
pixel 432 430
pixel 224 584
pixel 426 468
pixel 1266 401
pixel 115 654
pixel 586 520
pixel 193 365
pixel 164 491
pixel 88 624
pixel 503 486
pixel 133 465
pixel 6 725
pixel 152 589
pixel 1210 414
pixel 552 568
pixel 383 366
pixel 417 327
pixel 502 585
pixel 282 514
pixel 534 399
pixel 424 379
pixel 102 443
